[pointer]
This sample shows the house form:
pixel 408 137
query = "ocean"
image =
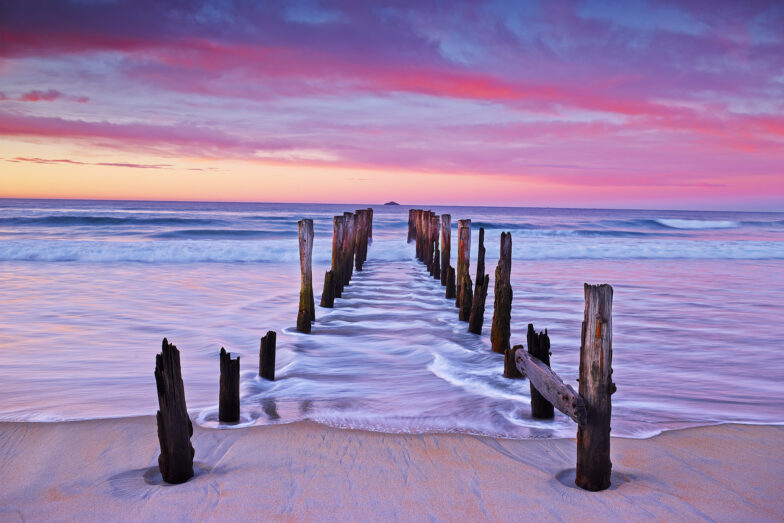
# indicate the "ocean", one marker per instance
pixel 88 289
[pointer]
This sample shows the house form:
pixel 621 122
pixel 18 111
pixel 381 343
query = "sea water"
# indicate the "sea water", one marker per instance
pixel 88 289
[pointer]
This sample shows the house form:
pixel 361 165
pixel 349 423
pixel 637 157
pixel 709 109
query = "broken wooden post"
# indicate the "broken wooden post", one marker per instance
pixel 450 283
pixel 477 316
pixel 502 309
pixel 229 397
pixel 267 356
pixel 596 386
pixel 361 237
pixel 539 347
pixel 307 307
pixel 411 225
pixel 348 247
pixel 510 366
pixel 328 294
pixel 174 426
pixel 562 396
pixel 463 252
pixel 446 246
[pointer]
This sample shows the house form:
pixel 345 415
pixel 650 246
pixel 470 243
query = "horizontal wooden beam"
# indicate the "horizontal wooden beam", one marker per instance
pixel 562 396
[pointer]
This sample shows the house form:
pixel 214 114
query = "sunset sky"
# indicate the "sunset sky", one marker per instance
pixel 570 104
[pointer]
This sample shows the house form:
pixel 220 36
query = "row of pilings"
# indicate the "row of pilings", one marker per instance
pixel 591 407
pixel 351 235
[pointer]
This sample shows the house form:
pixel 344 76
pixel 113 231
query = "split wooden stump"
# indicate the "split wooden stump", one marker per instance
pixel 539 347
pixel 477 316
pixel 174 426
pixel 267 356
pixel 229 398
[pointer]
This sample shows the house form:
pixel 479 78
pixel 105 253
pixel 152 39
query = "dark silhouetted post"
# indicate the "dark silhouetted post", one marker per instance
pixel 539 347
pixel 267 356
pixel 502 309
pixel 307 307
pixel 596 386
pixel 477 317
pixel 229 397
pixel 174 425
pixel 412 225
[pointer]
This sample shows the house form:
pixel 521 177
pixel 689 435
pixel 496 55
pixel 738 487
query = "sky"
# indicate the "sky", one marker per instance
pixel 634 104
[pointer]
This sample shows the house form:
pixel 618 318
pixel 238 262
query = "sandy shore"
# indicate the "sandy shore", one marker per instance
pixel 106 469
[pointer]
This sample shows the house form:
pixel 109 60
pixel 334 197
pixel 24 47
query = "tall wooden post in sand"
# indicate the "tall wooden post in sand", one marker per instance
pixel 267 356
pixel 307 307
pixel 446 246
pixel 174 425
pixel 464 298
pixel 596 386
pixel 502 310
pixel 229 397
pixel 477 317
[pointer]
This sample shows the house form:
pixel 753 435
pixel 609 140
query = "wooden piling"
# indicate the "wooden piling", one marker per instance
pixel 596 386
pixel 229 397
pixel 510 367
pixel 435 229
pixel 446 246
pixel 450 283
pixel 328 294
pixel 267 356
pixel 463 253
pixel 307 307
pixel 361 232
pixel 539 347
pixel 174 426
pixel 477 316
pixel 338 224
pixel 500 331
pixel 411 225
pixel 370 226
pixel 348 247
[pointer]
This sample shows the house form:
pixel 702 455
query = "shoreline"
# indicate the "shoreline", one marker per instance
pixel 99 469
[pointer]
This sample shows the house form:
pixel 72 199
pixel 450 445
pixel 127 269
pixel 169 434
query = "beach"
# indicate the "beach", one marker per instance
pixel 107 470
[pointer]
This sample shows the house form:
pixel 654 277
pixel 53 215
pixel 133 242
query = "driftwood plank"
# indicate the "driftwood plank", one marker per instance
pixel 562 396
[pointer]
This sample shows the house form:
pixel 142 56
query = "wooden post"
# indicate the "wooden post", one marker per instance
pixel 348 247
pixel 446 246
pixel 229 397
pixel 463 252
pixel 510 367
pixel 267 356
pixel 596 386
pixel 435 266
pixel 539 347
pixel 361 237
pixel 370 226
pixel 562 396
pixel 500 331
pixel 307 307
pixel 174 426
pixel 419 235
pixel 411 225
pixel 450 283
pixel 338 226
pixel 328 294
pixel 477 317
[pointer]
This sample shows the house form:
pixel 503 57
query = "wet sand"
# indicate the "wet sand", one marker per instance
pixel 107 469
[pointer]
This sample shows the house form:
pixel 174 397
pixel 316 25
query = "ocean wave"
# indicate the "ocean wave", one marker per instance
pixel 677 223
pixel 222 234
pixel 102 221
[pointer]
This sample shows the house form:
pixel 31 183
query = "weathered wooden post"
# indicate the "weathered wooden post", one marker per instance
pixel 435 265
pixel 419 236
pixel 174 426
pixel 229 397
pixel 360 237
pixel 465 293
pixel 500 331
pixel 370 227
pixel 463 252
pixel 267 356
pixel 307 307
pixel 411 225
pixel 596 386
pixel 539 347
pixel 450 283
pixel 477 317
pixel 510 366
pixel 446 246
pixel 338 224
pixel 348 247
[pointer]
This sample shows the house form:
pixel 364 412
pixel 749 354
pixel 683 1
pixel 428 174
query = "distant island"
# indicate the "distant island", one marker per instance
pixel 391 203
